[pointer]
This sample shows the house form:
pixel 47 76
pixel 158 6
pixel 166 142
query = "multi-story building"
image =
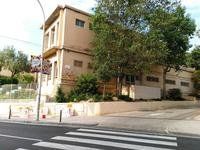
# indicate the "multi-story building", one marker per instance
pixel 68 38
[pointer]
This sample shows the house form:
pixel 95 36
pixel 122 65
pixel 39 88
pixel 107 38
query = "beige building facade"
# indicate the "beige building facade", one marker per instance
pixel 68 38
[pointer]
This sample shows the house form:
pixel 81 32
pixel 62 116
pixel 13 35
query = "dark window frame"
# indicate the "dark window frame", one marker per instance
pixel 152 79
pixel 185 84
pixel 80 23
pixel 78 63
pixel 169 81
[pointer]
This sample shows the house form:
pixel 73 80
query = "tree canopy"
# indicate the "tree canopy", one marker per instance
pixel 131 36
pixel 193 58
pixel 123 43
pixel 14 61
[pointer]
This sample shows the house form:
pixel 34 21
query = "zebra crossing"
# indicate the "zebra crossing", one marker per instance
pixel 96 139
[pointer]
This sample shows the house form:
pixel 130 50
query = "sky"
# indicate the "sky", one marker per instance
pixel 21 21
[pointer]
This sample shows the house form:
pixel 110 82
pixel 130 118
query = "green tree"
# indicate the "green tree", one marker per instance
pixel 196 80
pixel 122 39
pixel 193 58
pixel 175 28
pixel 15 62
pixel 2 60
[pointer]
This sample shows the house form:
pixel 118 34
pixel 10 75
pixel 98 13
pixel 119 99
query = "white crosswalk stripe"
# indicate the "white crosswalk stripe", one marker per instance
pixel 124 138
pixel 128 134
pixel 112 144
pixel 93 139
pixel 63 146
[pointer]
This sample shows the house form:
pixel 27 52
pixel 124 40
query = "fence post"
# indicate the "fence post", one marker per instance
pixel 60 120
pixel 10 112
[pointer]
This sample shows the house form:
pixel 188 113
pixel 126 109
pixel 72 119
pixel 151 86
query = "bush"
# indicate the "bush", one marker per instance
pixel 25 78
pixel 86 87
pixel 60 96
pixel 87 84
pixel 174 94
pixel 8 80
pixel 125 98
pixel 108 97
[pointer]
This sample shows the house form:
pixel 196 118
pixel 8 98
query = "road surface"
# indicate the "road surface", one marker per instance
pixel 37 137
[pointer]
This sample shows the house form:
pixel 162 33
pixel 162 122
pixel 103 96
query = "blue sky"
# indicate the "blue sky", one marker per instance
pixel 21 19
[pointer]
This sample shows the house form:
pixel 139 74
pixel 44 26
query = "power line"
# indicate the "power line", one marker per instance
pixel 20 40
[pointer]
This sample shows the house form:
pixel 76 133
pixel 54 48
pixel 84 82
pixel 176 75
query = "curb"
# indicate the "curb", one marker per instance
pixel 46 123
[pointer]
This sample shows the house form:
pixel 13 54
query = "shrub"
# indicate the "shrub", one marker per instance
pixel 8 80
pixel 86 87
pixel 174 94
pixel 25 78
pixel 60 96
pixel 108 97
pixel 86 84
pixel 125 98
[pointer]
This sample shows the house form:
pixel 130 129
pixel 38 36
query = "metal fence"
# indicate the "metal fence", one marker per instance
pixel 12 92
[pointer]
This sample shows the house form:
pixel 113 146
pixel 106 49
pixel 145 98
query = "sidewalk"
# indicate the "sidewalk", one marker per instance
pixel 128 121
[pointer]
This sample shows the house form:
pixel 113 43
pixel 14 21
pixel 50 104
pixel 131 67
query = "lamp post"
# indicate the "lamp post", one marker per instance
pixel 40 75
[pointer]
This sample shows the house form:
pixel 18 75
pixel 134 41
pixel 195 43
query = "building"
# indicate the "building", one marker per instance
pixel 68 37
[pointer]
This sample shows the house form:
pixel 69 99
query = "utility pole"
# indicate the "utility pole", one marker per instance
pixel 40 74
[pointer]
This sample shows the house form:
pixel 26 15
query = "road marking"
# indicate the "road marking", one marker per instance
pixel 131 139
pixel 129 134
pixel 108 143
pixel 18 137
pixel 21 149
pixel 62 146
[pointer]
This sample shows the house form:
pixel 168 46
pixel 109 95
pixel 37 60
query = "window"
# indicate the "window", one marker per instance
pixel 185 84
pixel 57 31
pixel 173 82
pixel 129 79
pixel 152 79
pixel 46 40
pixel 55 69
pixel 52 35
pixel 78 63
pixel 80 23
pixel 50 70
pixel 90 26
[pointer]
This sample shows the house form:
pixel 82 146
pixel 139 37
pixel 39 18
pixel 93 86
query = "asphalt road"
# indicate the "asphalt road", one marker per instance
pixel 36 137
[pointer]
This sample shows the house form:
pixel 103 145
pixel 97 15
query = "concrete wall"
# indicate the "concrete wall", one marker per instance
pixel 91 109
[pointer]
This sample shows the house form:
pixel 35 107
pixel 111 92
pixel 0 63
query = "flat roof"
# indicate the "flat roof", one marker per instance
pixel 56 13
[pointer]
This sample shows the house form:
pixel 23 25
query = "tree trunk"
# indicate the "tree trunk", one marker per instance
pixel 164 83
pixel 117 86
pixel 104 89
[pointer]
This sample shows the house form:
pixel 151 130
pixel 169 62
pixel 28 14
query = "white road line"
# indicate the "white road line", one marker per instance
pixel 123 138
pixel 63 146
pixel 129 134
pixel 21 149
pixel 18 137
pixel 108 143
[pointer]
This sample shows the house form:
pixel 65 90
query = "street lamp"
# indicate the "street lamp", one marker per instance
pixel 40 77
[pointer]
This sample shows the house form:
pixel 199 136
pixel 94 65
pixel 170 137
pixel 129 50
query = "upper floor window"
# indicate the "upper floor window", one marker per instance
pixel 185 84
pixel 78 63
pixel 152 79
pixel 53 36
pixel 170 81
pixel 80 23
